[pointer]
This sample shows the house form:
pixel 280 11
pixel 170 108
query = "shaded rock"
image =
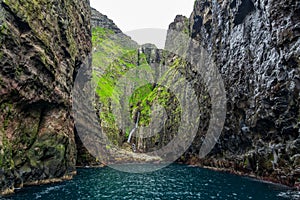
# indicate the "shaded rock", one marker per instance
pixel 255 45
pixel 42 47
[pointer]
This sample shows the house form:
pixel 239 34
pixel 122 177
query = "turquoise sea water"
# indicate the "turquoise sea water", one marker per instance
pixel 172 182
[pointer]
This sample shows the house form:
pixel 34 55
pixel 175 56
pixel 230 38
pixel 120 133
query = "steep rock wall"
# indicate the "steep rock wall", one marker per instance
pixel 43 43
pixel 256 46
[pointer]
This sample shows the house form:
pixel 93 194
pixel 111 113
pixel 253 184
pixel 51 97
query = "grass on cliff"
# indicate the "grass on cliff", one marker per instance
pixel 112 61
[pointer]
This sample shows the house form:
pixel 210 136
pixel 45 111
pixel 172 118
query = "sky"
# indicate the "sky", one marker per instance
pixel 131 15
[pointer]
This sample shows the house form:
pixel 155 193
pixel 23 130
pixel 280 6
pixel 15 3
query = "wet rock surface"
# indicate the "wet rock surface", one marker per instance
pixel 43 44
pixel 255 45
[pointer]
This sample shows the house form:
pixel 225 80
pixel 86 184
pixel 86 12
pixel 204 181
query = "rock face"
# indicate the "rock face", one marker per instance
pixel 256 46
pixel 100 20
pixel 43 43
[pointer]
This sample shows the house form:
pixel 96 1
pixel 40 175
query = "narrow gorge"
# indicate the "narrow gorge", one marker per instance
pixel 254 45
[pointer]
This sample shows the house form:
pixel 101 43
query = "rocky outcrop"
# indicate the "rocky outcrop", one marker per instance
pixel 256 46
pixel 100 20
pixel 43 44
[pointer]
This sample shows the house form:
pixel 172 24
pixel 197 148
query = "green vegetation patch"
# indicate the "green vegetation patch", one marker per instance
pixel 112 60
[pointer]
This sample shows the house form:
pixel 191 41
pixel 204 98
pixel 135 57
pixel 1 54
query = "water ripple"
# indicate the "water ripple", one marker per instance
pixel 173 182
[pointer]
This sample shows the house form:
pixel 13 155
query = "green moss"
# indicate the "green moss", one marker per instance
pixel 186 26
pixel 6 161
pixel 3 32
pixel 26 138
pixel 42 19
pixel 18 71
pixel 4 29
pixel 7 110
pixel 111 60
pixel 61 150
pixel 47 149
pixel 100 34
pixel 246 162
pixel 158 95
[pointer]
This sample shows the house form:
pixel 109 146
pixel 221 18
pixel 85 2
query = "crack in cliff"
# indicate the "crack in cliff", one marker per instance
pixel 23 26
pixel 244 10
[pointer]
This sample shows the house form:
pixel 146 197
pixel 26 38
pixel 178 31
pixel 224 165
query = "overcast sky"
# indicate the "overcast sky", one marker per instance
pixel 130 15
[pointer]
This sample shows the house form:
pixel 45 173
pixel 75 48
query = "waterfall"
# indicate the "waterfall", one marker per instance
pixel 133 130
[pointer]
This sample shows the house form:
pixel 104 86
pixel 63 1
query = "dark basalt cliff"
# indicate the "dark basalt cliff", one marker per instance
pixel 43 43
pixel 256 46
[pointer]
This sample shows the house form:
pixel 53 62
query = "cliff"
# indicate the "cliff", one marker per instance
pixel 255 45
pixel 43 44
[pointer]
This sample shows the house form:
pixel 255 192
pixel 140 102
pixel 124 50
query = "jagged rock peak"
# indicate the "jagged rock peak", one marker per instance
pixel 180 24
pixel 100 20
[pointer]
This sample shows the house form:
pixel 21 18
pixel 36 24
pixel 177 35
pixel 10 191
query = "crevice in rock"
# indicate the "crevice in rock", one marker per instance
pixel 233 4
pixel 244 9
pixel 197 26
pixel 23 26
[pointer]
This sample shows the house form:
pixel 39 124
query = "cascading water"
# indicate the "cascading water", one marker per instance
pixel 133 130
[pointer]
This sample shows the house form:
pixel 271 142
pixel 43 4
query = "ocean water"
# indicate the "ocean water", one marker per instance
pixel 172 182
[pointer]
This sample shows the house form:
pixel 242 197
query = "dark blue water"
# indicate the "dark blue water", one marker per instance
pixel 173 182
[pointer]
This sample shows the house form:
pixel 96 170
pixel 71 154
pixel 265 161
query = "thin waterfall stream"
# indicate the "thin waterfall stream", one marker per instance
pixel 133 130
